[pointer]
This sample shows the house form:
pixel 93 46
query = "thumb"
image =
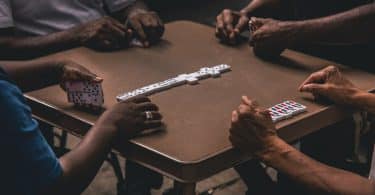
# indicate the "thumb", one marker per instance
pixel 89 76
pixel 257 22
pixel 314 88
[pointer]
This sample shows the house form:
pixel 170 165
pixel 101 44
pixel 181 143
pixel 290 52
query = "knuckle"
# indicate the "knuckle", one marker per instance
pixel 227 11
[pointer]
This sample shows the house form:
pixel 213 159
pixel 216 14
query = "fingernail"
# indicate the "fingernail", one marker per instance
pixel 98 79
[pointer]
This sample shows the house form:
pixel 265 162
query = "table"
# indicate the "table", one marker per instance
pixel 195 144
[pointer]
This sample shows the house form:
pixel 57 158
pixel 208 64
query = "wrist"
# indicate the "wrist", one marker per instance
pixel 361 99
pixel 76 35
pixel 299 30
pixel 105 123
pixel 275 148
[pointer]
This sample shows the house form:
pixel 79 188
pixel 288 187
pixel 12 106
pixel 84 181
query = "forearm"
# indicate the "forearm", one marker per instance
pixel 20 48
pixel 35 74
pixel 260 7
pixel 365 101
pixel 317 177
pixel 82 163
pixel 353 26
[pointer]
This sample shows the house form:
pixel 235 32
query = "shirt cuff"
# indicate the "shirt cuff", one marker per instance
pixel 117 5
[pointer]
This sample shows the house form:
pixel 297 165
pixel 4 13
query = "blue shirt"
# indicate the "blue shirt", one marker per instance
pixel 27 163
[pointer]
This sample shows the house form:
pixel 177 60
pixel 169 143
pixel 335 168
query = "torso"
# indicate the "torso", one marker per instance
pixel 40 17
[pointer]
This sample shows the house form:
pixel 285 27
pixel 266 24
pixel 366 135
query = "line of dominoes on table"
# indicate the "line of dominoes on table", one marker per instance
pixel 192 78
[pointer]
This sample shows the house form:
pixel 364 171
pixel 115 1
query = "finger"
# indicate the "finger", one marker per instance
pixel 314 88
pixel 118 25
pixel 88 76
pixel 252 103
pixel 137 26
pixel 151 21
pixel 146 26
pixel 317 77
pixel 152 124
pixel 117 36
pixel 140 99
pixel 257 22
pixel 152 29
pixel 147 106
pixel 246 100
pixel 243 108
pixel 228 22
pixel 220 32
pixel 255 37
pixel 241 25
pixel 265 113
pixel 116 31
pixel 155 115
pixel 234 116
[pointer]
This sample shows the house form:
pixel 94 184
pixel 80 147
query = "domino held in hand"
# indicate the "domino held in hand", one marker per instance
pixel 85 93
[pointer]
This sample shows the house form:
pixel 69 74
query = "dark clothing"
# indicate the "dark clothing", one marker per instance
pixel 28 164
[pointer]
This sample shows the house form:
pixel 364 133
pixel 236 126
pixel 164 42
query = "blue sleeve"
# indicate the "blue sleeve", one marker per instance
pixel 31 164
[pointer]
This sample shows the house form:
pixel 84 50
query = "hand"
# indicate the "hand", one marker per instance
pixel 330 83
pixel 72 71
pixel 229 25
pixel 129 117
pixel 270 37
pixel 252 130
pixel 104 34
pixel 147 25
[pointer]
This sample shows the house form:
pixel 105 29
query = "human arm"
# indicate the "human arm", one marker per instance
pixel 34 75
pixel 253 132
pixel 103 34
pixel 146 24
pixel 116 125
pixel 330 83
pixel 352 26
pixel 230 23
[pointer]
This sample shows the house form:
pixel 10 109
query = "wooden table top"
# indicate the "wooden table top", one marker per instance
pixel 195 143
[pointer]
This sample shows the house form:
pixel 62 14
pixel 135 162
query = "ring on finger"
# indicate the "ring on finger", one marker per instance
pixel 149 115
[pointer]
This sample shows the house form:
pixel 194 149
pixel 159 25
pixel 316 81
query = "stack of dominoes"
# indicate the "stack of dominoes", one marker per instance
pixel 181 79
pixel 286 110
pixel 85 93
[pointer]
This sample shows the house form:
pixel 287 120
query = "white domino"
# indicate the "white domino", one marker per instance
pixel 286 110
pixel 192 79
pixel 85 93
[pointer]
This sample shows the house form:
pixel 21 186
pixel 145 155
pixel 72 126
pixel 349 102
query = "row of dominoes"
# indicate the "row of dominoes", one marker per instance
pixel 181 79
pixel 286 110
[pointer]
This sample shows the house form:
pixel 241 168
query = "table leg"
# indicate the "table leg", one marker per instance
pixel 184 188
